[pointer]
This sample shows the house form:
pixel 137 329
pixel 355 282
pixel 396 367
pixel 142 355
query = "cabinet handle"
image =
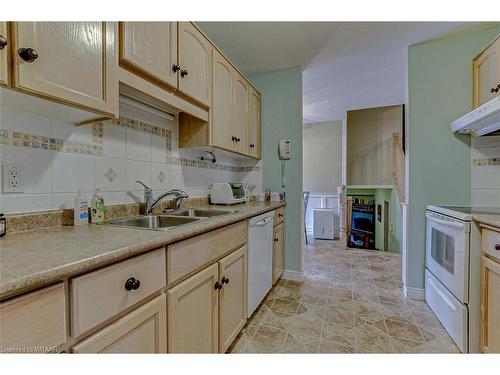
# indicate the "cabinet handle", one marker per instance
pixel 217 285
pixel 184 73
pixel 495 89
pixel 28 54
pixel 276 239
pixel 233 138
pixel 237 139
pixel 132 284
pixel 175 68
pixel 225 280
pixel 497 247
pixel 280 215
pixel 252 145
pixel 3 42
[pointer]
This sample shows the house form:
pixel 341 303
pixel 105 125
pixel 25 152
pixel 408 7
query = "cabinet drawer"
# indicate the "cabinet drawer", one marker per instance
pixel 98 296
pixel 491 243
pixel 36 319
pixel 279 216
pixel 192 254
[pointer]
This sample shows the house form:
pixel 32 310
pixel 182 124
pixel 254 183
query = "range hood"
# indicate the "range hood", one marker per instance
pixel 481 121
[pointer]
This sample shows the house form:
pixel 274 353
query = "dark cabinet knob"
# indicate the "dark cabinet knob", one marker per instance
pixel 3 42
pixel 495 89
pixel 28 54
pixel 280 215
pixel 132 284
pixel 497 246
pixel 237 139
pixel 276 239
pixel 233 138
pixel 176 68
pixel 184 73
pixel 225 280
pixel 218 285
pixel 252 145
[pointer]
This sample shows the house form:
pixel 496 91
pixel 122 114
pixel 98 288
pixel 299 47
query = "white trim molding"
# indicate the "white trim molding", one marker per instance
pixel 292 275
pixel 414 293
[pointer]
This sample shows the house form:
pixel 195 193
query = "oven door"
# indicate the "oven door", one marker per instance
pixel 447 253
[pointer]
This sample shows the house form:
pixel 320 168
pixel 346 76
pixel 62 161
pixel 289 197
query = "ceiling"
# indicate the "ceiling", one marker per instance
pixel 346 65
pixel 259 47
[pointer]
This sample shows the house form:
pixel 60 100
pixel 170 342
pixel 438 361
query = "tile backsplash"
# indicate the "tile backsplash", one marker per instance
pixel 486 171
pixel 58 159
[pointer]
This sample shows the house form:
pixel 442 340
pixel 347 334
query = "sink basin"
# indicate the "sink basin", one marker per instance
pixel 200 213
pixel 154 222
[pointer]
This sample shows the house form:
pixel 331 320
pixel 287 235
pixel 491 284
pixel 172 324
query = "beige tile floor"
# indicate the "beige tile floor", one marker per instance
pixel 349 302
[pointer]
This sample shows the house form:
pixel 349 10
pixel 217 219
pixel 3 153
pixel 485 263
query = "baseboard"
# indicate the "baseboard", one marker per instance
pixel 414 293
pixel 292 275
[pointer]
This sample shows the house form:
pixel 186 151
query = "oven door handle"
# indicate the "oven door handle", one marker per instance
pixel 454 224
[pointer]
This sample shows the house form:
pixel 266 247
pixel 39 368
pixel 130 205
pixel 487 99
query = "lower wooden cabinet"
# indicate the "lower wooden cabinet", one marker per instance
pixel 278 252
pixel 144 330
pixel 193 318
pixel 490 306
pixel 232 297
pixel 208 310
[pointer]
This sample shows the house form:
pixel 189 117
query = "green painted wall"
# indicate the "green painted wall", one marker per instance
pixel 282 119
pixel 440 90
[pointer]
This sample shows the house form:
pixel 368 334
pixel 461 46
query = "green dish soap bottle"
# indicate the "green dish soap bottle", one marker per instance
pixel 97 210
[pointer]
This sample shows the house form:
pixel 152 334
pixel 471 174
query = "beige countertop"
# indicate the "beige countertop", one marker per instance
pixel 493 220
pixel 33 259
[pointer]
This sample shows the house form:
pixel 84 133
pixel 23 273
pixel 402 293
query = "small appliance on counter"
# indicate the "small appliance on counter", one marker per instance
pixel 228 193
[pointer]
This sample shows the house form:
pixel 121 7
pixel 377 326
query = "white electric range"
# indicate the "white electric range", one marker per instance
pixel 453 270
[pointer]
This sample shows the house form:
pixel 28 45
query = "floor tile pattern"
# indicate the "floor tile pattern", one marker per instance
pixel 349 302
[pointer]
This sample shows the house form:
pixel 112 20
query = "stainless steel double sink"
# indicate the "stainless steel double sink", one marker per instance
pixel 168 220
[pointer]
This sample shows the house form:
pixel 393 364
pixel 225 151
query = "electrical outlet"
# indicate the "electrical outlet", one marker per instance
pixel 13 179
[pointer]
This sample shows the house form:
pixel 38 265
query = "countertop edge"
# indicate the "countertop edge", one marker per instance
pixel 14 288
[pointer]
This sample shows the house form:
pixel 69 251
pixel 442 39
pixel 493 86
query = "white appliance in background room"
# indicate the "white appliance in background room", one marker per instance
pixel 453 271
pixel 260 259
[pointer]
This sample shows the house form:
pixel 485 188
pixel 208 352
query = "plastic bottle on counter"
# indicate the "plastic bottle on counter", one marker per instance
pixel 97 210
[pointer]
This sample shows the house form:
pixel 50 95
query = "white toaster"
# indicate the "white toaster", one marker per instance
pixel 228 193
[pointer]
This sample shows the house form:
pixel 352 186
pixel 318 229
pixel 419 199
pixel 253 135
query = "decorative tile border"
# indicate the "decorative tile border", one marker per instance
pixel 173 160
pixel 54 144
pixel 485 162
pixel 134 124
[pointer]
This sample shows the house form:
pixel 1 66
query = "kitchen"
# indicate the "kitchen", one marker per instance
pixel 151 199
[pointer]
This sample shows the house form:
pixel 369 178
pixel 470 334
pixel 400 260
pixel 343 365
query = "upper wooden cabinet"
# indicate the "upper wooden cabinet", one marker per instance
pixel 70 62
pixel 253 141
pixel 486 74
pixel 195 62
pixel 240 126
pixel 222 102
pixel 151 49
pixel 4 48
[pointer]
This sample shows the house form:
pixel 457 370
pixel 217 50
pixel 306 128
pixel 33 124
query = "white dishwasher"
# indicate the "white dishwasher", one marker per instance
pixel 260 259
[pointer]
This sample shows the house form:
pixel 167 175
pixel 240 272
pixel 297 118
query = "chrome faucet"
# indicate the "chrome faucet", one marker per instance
pixel 179 195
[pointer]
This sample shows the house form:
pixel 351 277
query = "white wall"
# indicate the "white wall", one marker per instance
pixel 322 156
pixel 485 172
pixel 111 160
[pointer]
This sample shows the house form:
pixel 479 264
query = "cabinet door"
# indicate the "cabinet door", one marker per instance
pixel 240 113
pixel 193 314
pixel 222 102
pixel 278 252
pixel 490 307
pixel 195 62
pixel 254 124
pixel 4 48
pixel 76 63
pixel 486 70
pixel 232 297
pixel 144 330
pixel 150 48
